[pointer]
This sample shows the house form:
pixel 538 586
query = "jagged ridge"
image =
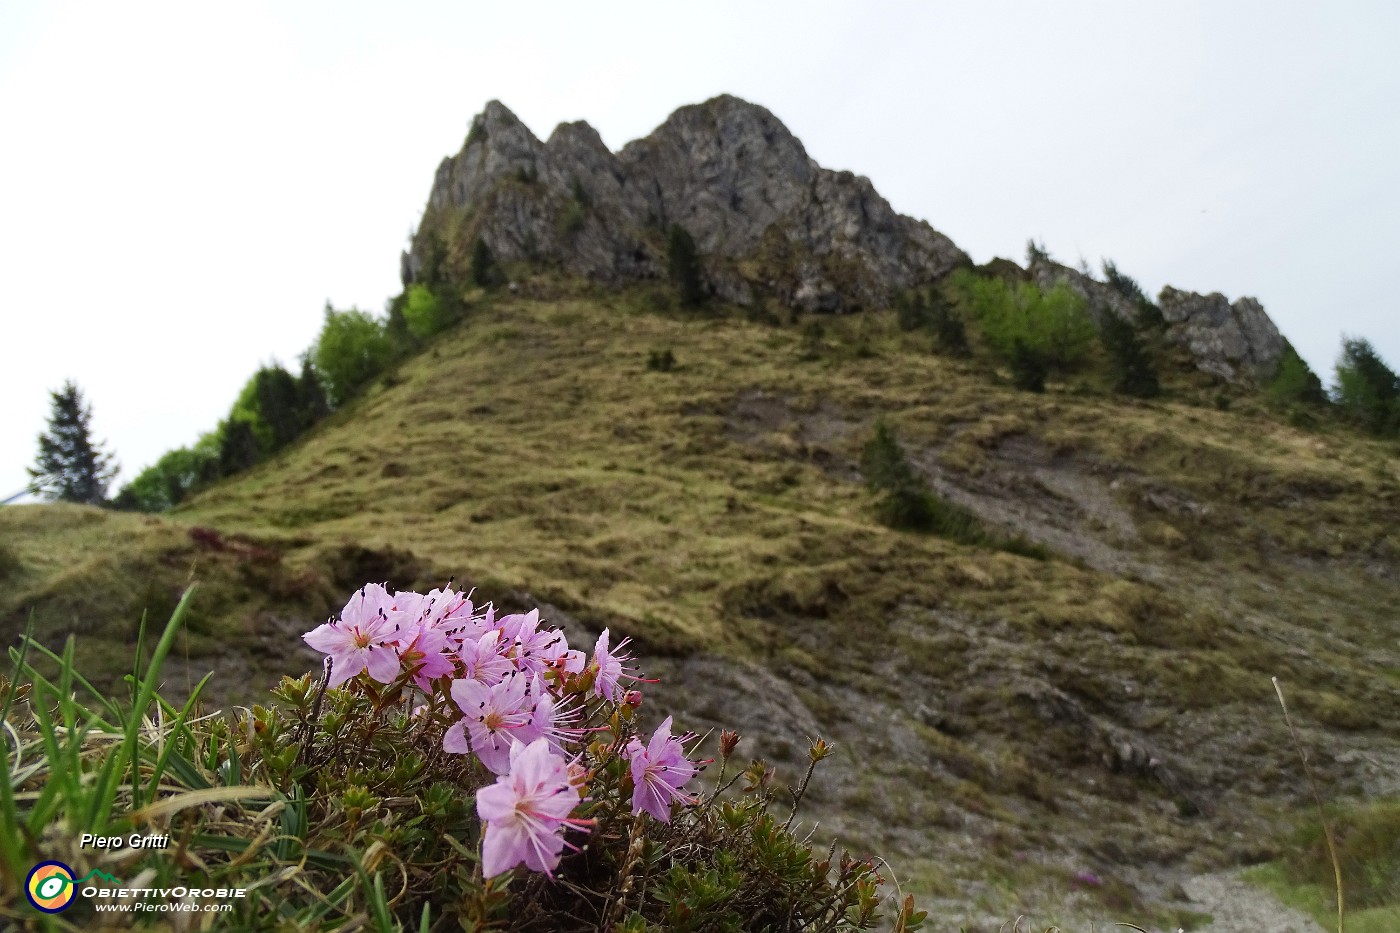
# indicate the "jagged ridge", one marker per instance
pixel 769 221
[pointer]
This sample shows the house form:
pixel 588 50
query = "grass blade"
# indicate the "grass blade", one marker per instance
pixel 170 738
pixel 145 690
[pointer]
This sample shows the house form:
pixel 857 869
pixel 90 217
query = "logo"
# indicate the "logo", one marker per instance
pixel 50 887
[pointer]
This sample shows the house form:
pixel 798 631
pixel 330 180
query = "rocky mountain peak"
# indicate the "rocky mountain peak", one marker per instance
pixel 767 219
pixel 770 223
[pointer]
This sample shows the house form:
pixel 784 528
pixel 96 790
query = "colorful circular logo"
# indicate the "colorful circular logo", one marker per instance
pixel 50 887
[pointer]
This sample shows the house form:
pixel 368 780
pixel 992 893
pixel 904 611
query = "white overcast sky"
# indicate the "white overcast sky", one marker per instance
pixel 183 186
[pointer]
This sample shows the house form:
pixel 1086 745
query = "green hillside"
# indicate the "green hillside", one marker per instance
pixel 1006 718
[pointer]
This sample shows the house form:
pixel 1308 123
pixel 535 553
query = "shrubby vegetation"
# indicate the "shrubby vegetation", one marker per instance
pixel 661 361
pixel 423 314
pixel 1036 332
pixel 172 478
pixel 352 349
pixel 452 768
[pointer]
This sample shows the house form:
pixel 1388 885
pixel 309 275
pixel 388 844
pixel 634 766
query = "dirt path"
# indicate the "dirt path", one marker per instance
pixel 1241 907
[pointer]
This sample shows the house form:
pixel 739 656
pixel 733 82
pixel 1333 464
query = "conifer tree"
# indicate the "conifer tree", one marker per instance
pixel 486 272
pixel 71 468
pixel 683 263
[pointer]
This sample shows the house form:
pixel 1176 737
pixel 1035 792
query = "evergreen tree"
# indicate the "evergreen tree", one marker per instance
pixel 1367 390
pixel 486 272
pixel 314 406
pixel 911 311
pixel 1028 367
pixel 947 325
pixel 238 447
pixel 1295 383
pixel 683 264
pixel 71 468
pixel 1133 373
pixel 279 404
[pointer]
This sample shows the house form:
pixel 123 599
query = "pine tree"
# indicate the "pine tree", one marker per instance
pixel 486 272
pixel 71 468
pixel 314 406
pixel 1367 391
pixel 683 263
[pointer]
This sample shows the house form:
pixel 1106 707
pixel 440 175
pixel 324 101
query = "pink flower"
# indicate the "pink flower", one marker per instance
pixel 659 770
pixel 421 648
pixel 611 668
pixel 550 720
pixel 360 639
pixel 526 811
pixel 537 650
pixel 454 613
pixel 490 715
pixel 482 661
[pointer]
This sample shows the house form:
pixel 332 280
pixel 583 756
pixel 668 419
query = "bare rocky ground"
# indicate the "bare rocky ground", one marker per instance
pixel 1237 906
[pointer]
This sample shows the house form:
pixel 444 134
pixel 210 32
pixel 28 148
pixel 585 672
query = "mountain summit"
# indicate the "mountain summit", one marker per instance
pixel 766 217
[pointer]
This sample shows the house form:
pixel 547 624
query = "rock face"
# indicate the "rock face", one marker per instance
pixel 766 218
pixel 768 221
pixel 1233 341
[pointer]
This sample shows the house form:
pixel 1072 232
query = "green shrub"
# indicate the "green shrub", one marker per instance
pixel 573 218
pixel 172 478
pixel 1050 328
pixel 423 314
pixel 351 350
pixel 1367 391
pixel 906 503
pixel 1367 838
pixel 683 265
pixel 661 361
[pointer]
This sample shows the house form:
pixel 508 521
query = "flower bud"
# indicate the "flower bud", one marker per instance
pixel 728 739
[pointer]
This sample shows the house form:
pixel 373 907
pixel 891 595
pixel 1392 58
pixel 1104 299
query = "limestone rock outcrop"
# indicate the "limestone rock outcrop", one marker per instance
pixel 1236 341
pixel 766 218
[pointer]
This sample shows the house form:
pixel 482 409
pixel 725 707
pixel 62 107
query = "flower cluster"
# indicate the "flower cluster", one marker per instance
pixel 511 692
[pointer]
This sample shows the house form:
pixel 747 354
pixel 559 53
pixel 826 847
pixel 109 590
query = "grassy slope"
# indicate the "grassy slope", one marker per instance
pixel 714 512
